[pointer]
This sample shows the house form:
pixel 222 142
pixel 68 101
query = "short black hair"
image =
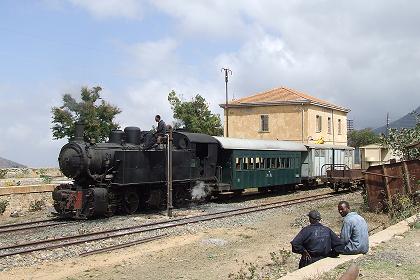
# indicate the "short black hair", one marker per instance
pixel 157 116
pixel 345 203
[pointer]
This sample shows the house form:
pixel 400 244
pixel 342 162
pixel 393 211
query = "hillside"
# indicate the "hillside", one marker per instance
pixel 408 121
pixel 5 163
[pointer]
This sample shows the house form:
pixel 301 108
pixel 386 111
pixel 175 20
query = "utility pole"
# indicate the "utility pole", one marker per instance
pixel 387 123
pixel 169 205
pixel 227 72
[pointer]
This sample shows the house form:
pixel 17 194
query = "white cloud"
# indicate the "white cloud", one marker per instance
pixel 151 59
pixel 132 9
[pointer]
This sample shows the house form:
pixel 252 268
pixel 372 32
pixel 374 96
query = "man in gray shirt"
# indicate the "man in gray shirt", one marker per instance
pixel 354 232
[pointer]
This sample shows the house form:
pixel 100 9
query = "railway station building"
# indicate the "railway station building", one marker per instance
pixel 286 114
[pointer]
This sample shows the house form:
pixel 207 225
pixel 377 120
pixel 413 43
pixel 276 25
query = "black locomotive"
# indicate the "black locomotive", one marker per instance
pixel 121 176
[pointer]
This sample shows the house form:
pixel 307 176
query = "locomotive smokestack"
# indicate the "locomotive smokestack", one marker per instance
pixel 79 130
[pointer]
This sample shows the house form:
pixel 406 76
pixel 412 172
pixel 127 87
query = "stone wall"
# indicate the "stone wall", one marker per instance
pixel 20 203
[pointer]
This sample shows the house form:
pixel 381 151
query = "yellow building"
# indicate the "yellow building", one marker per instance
pixel 286 114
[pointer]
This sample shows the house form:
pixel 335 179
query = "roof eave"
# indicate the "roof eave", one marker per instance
pixel 276 103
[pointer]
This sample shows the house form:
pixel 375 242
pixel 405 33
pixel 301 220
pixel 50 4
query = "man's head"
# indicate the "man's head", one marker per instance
pixel 343 208
pixel 314 216
pixel 157 118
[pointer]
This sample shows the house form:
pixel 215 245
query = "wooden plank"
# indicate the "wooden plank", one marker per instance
pixel 386 181
pixel 407 178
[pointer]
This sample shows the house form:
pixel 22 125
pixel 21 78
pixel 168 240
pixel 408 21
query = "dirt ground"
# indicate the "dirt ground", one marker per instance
pixel 209 254
pixel 398 259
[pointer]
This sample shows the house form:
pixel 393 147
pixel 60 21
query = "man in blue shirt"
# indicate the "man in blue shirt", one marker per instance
pixel 354 231
pixel 314 242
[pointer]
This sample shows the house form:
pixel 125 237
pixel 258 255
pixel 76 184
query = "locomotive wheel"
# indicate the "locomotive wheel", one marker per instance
pixel 131 202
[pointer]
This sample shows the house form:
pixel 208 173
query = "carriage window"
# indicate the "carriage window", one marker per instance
pixel 251 163
pixel 245 164
pixel 273 163
pixel 263 163
pixel 257 163
pixel 286 163
pixel 278 162
pixel 237 163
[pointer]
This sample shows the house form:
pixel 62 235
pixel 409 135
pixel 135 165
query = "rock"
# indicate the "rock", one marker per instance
pixel 214 241
pixel 399 237
pixel 15 214
pixel 399 264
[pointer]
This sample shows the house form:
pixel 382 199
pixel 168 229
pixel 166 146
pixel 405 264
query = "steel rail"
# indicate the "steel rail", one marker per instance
pixel 156 225
pixel 35 226
pixel 124 245
pixel 26 223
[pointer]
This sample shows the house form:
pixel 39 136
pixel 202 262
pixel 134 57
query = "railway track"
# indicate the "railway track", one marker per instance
pixel 60 242
pixel 30 225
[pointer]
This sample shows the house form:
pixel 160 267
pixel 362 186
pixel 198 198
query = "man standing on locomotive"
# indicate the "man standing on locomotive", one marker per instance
pixel 354 231
pixel 315 242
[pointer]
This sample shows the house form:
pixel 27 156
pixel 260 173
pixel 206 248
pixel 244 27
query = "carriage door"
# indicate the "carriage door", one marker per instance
pixel 319 162
pixel 338 158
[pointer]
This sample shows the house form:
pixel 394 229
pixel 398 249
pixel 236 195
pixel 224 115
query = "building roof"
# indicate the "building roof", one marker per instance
pixel 282 96
pixel 267 145
pixel 373 146
pixel 327 146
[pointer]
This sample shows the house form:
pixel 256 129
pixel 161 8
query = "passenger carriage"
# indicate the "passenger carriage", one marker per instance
pixel 262 164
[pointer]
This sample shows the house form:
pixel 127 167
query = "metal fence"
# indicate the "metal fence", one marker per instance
pixel 385 181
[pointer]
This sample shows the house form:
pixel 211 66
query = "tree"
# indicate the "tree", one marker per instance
pixel 363 137
pixel 399 139
pixel 97 118
pixel 194 115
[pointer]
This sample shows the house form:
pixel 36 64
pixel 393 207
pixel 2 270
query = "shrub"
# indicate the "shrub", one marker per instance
pixel 403 206
pixel 36 205
pixel 3 173
pixel 46 179
pixel 3 205
pixel 273 270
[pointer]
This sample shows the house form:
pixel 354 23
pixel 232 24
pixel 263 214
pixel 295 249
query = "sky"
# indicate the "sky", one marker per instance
pixel 363 55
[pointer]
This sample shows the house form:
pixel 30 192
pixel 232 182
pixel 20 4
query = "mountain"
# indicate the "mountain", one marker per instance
pixel 408 121
pixel 5 163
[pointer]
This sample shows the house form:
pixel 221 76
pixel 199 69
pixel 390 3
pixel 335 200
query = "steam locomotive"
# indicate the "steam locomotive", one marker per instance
pixel 123 176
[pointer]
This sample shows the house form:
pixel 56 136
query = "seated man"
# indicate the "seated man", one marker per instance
pixel 156 138
pixel 314 242
pixel 354 231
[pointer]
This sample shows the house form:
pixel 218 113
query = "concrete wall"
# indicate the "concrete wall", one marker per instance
pixel 287 122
